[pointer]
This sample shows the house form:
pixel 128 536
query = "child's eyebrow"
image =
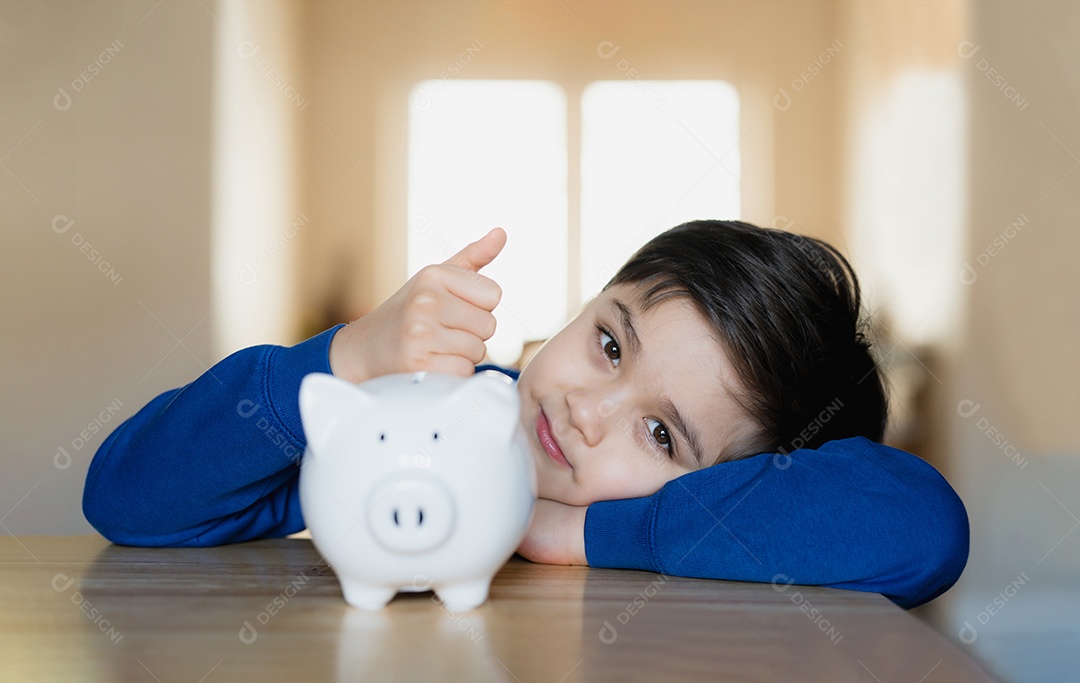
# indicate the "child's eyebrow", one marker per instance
pixel 689 433
pixel 670 410
pixel 626 321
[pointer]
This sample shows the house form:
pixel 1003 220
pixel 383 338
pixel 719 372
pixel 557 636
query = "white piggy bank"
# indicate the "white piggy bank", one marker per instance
pixel 414 482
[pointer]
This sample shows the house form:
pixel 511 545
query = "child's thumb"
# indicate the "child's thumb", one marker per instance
pixel 483 251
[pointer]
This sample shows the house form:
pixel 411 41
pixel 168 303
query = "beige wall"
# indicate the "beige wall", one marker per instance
pixel 132 202
pixel 362 58
pixel 1011 402
pixel 128 160
pixel 1000 379
pixel 1023 325
pixel 1012 165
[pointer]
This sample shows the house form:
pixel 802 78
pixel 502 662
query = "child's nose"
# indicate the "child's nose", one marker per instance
pixel 590 412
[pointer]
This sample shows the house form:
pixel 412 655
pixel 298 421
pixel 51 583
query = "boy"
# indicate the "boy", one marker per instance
pixel 712 413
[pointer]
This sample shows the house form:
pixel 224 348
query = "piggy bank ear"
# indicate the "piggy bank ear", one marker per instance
pixel 493 396
pixel 325 403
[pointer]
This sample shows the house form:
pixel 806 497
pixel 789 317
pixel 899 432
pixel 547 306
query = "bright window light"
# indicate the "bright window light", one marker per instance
pixel 909 202
pixel 485 154
pixel 654 154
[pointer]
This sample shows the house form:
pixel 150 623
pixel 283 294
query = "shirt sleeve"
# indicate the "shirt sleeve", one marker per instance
pixel 852 514
pixel 216 461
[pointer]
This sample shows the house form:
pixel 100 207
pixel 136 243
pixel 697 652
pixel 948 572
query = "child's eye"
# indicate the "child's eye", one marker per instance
pixel 660 435
pixel 610 347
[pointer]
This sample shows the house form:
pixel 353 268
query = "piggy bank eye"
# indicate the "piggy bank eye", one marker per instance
pixel 382 436
pixel 435 436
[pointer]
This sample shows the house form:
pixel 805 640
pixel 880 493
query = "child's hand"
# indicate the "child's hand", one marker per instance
pixel 556 534
pixel 438 321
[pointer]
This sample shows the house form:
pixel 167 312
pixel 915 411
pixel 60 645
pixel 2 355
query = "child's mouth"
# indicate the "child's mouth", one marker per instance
pixel 547 440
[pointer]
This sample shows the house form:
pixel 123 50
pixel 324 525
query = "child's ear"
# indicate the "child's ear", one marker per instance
pixel 327 401
pixel 493 396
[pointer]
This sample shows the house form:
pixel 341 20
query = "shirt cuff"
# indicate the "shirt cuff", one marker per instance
pixel 287 366
pixel 618 533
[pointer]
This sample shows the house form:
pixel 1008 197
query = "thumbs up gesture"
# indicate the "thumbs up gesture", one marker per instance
pixel 438 321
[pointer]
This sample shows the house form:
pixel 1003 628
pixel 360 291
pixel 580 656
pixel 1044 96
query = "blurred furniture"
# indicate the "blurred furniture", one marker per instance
pixel 79 608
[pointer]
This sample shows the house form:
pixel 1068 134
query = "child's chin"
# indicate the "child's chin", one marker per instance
pixel 562 497
pixel 542 490
pixel 545 490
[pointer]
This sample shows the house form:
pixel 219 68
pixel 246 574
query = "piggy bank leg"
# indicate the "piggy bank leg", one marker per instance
pixel 365 595
pixel 464 595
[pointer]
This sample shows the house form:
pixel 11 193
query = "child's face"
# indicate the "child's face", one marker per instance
pixel 603 397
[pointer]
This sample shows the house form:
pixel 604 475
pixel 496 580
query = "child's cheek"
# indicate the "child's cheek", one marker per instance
pixel 634 437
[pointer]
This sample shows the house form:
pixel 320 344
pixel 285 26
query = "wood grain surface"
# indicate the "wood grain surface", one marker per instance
pixel 78 608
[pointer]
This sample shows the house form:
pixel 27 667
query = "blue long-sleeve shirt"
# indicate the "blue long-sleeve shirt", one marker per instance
pixel 217 461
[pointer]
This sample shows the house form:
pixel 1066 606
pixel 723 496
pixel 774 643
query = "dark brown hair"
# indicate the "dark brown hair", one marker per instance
pixel 786 307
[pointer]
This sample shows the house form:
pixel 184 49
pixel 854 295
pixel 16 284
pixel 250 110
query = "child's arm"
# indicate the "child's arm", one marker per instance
pixel 217 461
pixel 212 462
pixel 853 514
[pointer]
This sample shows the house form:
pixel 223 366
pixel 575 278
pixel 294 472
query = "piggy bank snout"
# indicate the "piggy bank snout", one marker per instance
pixel 408 514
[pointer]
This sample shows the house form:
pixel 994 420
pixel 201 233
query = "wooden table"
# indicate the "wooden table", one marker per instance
pixel 78 608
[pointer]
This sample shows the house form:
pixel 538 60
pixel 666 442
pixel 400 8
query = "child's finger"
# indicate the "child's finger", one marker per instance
pixel 450 364
pixel 478 290
pixel 464 344
pixel 462 315
pixel 483 251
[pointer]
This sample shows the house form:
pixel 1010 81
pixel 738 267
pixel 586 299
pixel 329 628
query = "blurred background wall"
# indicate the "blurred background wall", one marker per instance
pixel 184 179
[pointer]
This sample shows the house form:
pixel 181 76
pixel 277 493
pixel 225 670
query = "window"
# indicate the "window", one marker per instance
pixel 484 153
pixel 909 202
pixel 653 154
